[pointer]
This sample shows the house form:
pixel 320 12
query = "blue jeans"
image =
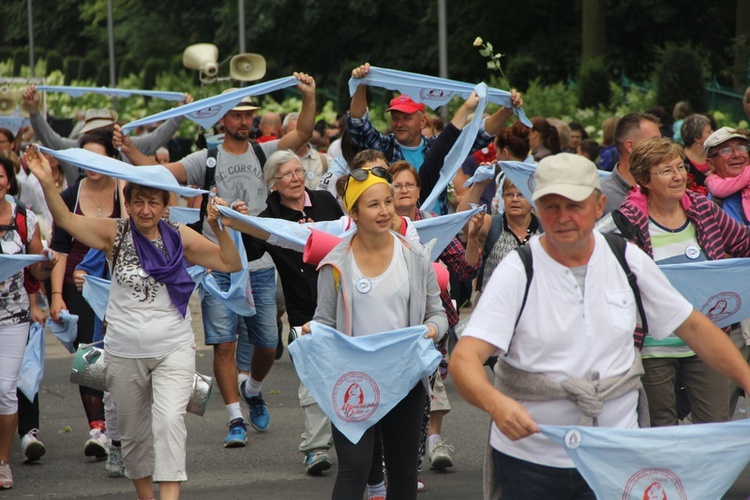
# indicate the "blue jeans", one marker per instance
pixel 220 323
pixel 524 480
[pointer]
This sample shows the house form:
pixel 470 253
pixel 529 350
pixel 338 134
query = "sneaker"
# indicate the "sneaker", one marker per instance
pixel 237 436
pixel 260 419
pixel 115 464
pixel 98 444
pixel 6 477
pixel 440 457
pixel 31 448
pixel 317 461
pixel 420 486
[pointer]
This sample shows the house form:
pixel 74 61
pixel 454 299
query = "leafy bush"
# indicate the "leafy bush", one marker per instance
pixel 522 70
pixel 593 84
pixel 680 77
pixel 72 68
pixel 20 58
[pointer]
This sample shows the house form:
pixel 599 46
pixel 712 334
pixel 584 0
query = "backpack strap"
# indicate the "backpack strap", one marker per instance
pixel 20 218
pixel 258 150
pixel 403 227
pixel 208 183
pixel 618 245
pixel 527 259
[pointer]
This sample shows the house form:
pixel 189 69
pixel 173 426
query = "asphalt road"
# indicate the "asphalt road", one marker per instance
pixel 270 467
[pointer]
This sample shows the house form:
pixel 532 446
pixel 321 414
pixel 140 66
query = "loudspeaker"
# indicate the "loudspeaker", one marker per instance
pixel 247 67
pixel 202 57
pixel 7 101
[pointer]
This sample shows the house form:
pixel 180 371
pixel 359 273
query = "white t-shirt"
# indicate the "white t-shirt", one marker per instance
pixel 143 321
pixel 381 303
pixel 238 177
pixel 564 333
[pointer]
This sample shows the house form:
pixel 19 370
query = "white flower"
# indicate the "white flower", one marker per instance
pixel 478 41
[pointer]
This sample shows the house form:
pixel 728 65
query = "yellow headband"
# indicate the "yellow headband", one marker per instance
pixel 355 189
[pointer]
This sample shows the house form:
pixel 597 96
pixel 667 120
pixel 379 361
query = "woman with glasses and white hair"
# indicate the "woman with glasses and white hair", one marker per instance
pixel 290 200
pixel 674 225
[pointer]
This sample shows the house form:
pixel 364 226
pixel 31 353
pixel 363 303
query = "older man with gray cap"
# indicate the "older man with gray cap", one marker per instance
pixel 570 314
pixel 727 155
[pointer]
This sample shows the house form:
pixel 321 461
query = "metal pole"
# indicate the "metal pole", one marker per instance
pixel 112 74
pixel 442 50
pixel 241 22
pixel 31 38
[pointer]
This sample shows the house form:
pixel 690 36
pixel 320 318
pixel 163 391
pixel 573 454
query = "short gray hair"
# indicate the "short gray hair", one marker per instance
pixel 274 163
pixel 291 117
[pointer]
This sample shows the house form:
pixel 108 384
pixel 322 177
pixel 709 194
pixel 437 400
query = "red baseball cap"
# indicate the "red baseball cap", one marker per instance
pixel 405 104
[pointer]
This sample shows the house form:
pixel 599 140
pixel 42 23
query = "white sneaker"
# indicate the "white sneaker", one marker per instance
pixel 440 457
pixel 98 444
pixel 115 465
pixel 31 448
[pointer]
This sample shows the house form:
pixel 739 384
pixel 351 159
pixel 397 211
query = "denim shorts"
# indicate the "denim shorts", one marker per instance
pixel 220 323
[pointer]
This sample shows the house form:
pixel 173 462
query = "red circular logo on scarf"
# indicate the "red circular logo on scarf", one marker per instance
pixel 355 396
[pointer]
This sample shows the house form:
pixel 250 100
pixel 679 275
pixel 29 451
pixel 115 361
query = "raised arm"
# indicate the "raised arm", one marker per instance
pixel 726 186
pixel 496 121
pixel 306 122
pixel 42 129
pixel 358 106
pixel 94 232
pixel 149 143
pixel 125 144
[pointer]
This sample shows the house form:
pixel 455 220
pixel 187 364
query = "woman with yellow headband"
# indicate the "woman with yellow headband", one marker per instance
pixel 382 282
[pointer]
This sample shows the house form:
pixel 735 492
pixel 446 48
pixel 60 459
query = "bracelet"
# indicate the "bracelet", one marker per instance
pixel 56 292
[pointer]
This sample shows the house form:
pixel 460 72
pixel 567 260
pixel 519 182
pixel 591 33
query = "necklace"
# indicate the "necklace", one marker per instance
pixel 102 198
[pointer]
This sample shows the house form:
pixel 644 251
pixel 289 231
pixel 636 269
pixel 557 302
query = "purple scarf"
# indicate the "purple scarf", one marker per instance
pixel 171 272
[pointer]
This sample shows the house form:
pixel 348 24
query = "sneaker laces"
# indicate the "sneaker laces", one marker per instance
pixel 237 422
pixel 257 405
pixel 443 446
pixel 316 454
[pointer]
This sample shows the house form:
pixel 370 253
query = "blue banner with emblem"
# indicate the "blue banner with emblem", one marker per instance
pixel 720 289
pixel 678 462
pixel 358 380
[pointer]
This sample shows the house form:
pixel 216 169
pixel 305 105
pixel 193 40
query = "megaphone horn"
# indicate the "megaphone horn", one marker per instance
pixel 247 67
pixel 7 102
pixel 202 57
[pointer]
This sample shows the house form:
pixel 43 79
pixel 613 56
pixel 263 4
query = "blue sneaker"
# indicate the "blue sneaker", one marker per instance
pixel 259 416
pixel 237 437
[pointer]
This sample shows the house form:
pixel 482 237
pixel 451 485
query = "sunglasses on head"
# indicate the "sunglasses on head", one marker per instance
pixel 361 174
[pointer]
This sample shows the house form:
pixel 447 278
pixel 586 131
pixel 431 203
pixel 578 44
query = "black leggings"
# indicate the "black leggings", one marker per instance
pixel 400 434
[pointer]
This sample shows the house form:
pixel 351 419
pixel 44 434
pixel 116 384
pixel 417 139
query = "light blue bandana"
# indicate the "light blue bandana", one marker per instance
pixel 79 91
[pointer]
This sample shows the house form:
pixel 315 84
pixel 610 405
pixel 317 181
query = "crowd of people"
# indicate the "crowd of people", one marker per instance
pixel 680 197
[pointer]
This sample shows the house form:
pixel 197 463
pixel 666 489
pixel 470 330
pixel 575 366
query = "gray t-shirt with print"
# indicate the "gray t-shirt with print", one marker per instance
pixel 238 177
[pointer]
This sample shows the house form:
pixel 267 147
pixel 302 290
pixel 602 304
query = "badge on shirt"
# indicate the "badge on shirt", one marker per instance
pixel 142 273
pixel 310 176
pixel 364 285
pixel 211 162
pixel 692 252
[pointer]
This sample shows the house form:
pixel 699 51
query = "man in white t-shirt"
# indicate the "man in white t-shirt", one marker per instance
pixel 239 180
pixel 579 317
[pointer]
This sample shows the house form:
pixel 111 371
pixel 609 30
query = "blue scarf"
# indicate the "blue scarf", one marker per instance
pixel 170 271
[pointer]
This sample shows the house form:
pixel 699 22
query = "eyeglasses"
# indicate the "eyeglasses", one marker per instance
pixel 299 173
pixel 512 196
pixel 670 171
pixel 407 185
pixel 360 174
pixel 728 150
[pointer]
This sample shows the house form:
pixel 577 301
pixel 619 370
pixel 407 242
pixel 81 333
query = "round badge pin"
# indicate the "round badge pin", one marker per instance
pixel 311 175
pixel 211 162
pixel 364 285
pixel 692 252
pixel 142 273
